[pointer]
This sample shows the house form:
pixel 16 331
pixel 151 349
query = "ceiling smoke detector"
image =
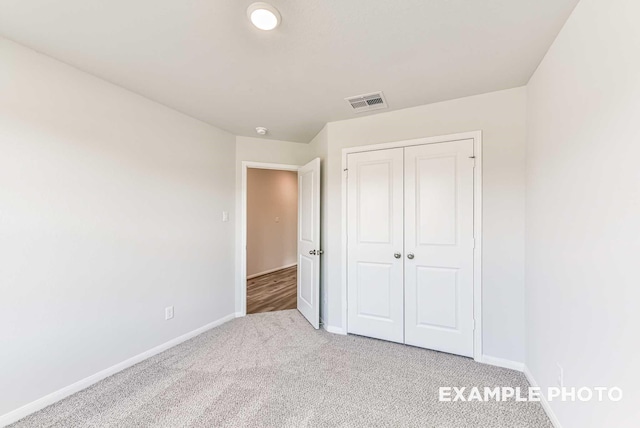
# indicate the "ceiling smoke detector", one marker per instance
pixel 264 16
pixel 261 130
pixel 367 102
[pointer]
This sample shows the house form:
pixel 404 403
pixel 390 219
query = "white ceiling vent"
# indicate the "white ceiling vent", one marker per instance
pixel 367 102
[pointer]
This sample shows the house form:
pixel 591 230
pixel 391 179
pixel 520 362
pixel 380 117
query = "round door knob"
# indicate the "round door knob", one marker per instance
pixel 410 256
pixel 312 252
pixel 397 255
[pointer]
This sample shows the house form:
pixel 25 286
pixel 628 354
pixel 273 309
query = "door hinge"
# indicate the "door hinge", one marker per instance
pixel 346 172
pixel 473 243
pixel 473 322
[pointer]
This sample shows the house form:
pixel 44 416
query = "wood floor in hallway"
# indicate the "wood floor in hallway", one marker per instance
pixel 275 291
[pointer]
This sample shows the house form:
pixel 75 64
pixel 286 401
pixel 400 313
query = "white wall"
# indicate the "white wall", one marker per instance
pixel 272 219
pixel 266 151
pixel 501 117
pixel 583 212
pixel 110 210
pixel 271 151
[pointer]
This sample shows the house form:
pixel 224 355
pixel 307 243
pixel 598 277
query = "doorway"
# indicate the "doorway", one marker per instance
pixel 307 235
pixel 272 228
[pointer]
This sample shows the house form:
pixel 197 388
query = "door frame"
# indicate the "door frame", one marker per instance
pixel 241 286
pixel 476 136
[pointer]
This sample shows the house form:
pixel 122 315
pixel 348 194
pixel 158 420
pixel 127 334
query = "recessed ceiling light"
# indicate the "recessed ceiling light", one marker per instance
pixel 261 130
pixel 264 16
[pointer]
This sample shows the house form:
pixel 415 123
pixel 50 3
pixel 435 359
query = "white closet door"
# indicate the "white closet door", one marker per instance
pixel 439 247
pixel 374 244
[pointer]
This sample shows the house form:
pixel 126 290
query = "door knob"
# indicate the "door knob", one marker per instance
pixel 397 255
pixel 410 256
pixel 312 252
pixel 320 252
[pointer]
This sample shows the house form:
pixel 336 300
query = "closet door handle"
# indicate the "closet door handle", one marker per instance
pixel 397 255
pixel 410 256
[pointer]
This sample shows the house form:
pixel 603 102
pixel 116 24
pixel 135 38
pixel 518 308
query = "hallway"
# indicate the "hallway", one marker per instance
pixel 275 291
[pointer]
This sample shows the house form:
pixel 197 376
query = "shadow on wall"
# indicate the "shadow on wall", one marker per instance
pixel 272 220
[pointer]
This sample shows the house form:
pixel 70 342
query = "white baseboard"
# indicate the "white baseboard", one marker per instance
pixel 514 365
pixel 270 270
pixel 47 400
pixel 501 362
pixel 334 330
pixel 545 404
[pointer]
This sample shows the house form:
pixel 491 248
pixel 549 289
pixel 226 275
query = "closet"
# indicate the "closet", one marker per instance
pixel 410 245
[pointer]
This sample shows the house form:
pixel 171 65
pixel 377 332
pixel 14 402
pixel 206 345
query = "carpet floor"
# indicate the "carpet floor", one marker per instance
pixel 273 370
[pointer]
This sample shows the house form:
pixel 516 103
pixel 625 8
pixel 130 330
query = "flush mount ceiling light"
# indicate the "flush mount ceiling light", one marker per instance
pixel 264 16
pixel 261 130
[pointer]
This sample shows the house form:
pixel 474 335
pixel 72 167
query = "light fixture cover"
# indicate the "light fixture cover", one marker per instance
pixel 263 16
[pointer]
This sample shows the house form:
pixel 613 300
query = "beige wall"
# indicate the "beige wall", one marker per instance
pixel 272 223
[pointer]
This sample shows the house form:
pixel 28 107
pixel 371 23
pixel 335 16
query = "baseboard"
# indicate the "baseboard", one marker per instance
pixel 514 365
pixel 334 330
pixel 502 362
pixel 255 275
pixel 545 404
pixel 47 400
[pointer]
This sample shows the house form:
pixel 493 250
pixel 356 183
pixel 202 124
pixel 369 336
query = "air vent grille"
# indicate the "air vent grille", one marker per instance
pixel 367 102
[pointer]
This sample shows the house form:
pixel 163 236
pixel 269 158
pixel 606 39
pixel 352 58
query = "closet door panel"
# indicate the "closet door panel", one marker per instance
pixel 374 239
pixel 439 243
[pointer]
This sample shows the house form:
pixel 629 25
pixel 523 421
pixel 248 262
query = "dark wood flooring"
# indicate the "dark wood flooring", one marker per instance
pixel 274 291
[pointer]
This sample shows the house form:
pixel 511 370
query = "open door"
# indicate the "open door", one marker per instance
pixel 309 242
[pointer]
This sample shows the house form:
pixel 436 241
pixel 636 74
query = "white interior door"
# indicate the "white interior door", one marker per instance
pixel 375 241
pixel 309 242
pixel 439 246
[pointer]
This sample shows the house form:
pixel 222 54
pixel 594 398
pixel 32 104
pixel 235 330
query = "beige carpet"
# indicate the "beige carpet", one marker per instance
pixel 274 370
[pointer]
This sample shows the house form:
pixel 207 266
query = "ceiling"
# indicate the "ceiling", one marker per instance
pixel 205 59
